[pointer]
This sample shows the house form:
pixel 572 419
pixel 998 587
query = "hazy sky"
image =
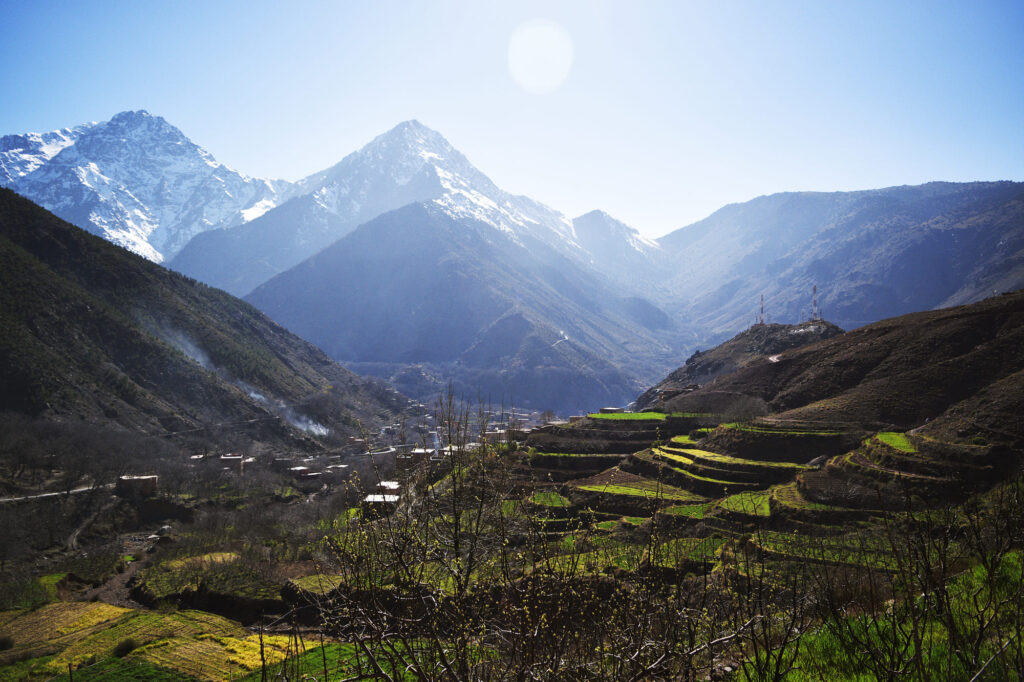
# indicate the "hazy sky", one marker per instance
pixel 667 110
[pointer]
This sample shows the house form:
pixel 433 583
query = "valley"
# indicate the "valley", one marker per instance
pixel 446 424
pixel 768 511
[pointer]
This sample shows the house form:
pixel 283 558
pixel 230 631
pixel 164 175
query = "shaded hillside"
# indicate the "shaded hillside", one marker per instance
pixel 759 341
pixel 500 315
pixel 873 254
pixel 91 331
pixel 903 371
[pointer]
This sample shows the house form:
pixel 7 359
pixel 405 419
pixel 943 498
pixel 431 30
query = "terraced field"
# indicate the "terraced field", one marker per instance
pixel 190 644
pixel 620 483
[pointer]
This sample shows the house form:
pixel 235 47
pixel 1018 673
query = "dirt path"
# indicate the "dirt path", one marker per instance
pixel 115 591
pixel 43 496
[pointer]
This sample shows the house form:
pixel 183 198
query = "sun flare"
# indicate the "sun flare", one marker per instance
pixel 539 56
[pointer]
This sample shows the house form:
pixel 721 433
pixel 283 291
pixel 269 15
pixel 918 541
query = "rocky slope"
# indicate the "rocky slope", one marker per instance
pixel 956 370
pixel 90 331
pixel 759 342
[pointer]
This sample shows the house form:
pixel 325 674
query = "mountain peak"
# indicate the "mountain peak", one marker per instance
pixel 412 136
pixel 132 115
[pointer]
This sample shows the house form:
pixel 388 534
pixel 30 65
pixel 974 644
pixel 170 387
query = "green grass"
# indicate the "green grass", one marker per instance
pixel 49 584
pixel 126 669
pixel 549 498
pixel 630 416
pixel 647 489
pixel 737 426
pixel 684 440
pixel 319 583
pixel 693 511
pixel 753 504
pixel 648 416
pixel 726 459
pixel 896 440
pixel 671 553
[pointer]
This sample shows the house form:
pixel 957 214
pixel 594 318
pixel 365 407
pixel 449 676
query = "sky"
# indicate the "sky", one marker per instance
pixel 657 112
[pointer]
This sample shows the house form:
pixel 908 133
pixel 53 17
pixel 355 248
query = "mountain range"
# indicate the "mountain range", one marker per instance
pixel 405 261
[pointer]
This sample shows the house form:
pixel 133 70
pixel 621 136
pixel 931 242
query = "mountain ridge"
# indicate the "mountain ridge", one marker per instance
pixel 135 180
pixel 92 331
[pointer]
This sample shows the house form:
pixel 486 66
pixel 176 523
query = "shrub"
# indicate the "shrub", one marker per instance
pixel 125 647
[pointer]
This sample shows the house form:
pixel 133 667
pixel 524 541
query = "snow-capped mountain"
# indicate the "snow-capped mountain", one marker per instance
pixel 620 251
pixel 22 154
pixel 410 163
pixel 135 180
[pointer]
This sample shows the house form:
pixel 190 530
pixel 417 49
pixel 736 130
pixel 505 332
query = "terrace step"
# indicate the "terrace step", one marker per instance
pixel 759 470
pixel 789 502
pixel 704 468
pixel 835 487
pixel 645 464
pixel 862 463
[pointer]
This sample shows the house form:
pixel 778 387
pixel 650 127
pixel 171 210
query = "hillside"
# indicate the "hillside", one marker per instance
pixel 956 370
pixel 93 332
pixel 760 341
pixel 872 254
pixel 417 293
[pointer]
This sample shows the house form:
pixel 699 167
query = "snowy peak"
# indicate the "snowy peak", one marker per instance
pixel 412 162
pixel 135 180
pixel 619 251
pixel 22 154
pixel 597 227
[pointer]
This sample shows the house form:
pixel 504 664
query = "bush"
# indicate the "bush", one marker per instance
pixel 125 647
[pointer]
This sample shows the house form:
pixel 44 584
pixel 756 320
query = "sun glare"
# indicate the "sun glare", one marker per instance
pixel 539 56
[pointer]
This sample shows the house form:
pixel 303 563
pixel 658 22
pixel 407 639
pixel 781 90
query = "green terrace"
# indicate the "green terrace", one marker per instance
pixel 674 552
pixel 896 440
pixel 789 496
pixel 868 550
pixel 709 482
pixel 651 490
pixel 549 498
pixel 693 455
pixel 693 511
pixel 753 428
pixel 647 416
pixel 750 503
pixel 612 524
pixel 629 416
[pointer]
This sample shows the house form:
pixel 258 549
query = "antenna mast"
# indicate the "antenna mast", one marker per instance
pixel 761 319
pixel 815 315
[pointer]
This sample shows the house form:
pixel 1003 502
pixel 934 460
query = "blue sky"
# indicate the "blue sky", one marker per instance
pixel 669 110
